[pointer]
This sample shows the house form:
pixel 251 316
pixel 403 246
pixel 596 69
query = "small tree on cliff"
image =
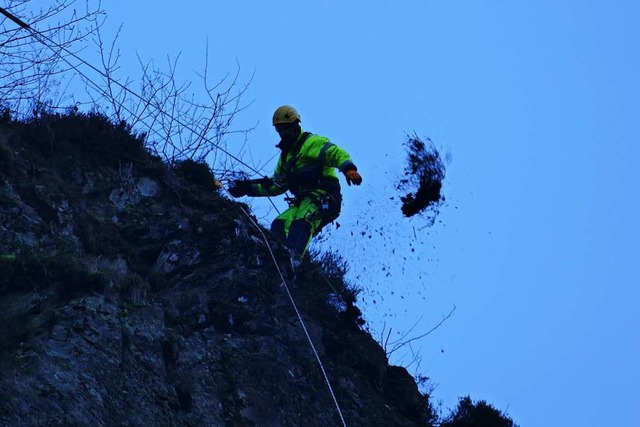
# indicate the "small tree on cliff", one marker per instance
pixel 480 414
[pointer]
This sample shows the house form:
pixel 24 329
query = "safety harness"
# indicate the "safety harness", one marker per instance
pixel 309 182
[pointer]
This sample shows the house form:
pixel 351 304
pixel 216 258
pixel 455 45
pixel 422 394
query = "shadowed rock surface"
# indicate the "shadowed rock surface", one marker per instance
pixel 132 293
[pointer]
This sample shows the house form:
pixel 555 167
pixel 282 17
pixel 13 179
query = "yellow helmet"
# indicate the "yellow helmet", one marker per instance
pixel 285 114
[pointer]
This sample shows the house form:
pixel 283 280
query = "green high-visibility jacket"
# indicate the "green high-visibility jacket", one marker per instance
pixel 310 164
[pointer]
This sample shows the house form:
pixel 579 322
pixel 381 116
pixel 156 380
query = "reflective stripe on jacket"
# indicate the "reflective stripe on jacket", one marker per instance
pixel 309 165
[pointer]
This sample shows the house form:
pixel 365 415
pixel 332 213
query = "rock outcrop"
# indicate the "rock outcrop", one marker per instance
pixel 134 293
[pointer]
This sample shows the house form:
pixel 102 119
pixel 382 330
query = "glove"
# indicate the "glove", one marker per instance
pixel 352 175
pixel 238 188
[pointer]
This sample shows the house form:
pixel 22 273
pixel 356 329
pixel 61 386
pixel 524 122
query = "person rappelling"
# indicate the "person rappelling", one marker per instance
pixel 307 168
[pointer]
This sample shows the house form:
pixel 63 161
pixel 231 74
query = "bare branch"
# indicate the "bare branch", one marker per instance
pixel 34 72
pixel 403 343
pixel 176 119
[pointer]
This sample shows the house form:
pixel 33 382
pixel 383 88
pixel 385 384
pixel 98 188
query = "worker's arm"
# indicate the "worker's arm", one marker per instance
pixel 273 186
pixel 334 156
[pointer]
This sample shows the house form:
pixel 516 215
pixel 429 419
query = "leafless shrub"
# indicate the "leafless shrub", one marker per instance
pixel 34 67
pixel 40 61
pixel 177 124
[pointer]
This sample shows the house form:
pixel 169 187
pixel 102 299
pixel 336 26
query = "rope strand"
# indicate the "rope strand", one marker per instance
pixel 295 307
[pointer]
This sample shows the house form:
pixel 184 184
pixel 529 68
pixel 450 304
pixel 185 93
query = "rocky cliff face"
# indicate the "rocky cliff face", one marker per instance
pixel 133 293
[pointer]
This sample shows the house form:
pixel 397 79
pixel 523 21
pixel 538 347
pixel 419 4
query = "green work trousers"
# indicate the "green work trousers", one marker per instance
pixel 305 218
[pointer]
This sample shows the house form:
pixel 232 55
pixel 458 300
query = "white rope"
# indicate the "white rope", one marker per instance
pixel 295 307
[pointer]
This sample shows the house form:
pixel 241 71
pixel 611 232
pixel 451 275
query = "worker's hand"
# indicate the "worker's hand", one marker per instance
pixel 238 188
pixel 353 176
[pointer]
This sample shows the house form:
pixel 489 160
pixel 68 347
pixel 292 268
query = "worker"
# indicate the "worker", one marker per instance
pixel 306 168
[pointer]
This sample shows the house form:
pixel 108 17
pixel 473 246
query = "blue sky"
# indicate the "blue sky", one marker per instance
pixel 537 104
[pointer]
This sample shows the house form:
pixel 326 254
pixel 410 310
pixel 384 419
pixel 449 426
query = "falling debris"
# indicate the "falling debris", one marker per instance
pixel 422 179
